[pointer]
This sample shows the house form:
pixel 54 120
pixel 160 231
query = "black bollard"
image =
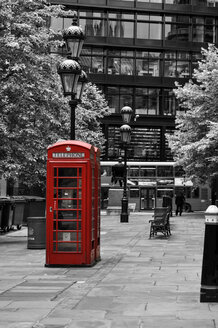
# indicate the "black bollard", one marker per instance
pixel 209 276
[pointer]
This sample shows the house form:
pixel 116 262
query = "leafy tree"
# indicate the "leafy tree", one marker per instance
pixel 195 140
pixel 33 111
pixel 88 114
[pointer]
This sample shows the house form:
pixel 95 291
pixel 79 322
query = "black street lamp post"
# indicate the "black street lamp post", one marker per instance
pixel 125 132
pixel 72 77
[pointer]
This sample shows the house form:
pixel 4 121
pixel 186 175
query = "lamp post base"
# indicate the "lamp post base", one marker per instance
pixel 124 216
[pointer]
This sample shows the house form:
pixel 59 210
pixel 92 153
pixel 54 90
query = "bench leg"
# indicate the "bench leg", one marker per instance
pixel 151 231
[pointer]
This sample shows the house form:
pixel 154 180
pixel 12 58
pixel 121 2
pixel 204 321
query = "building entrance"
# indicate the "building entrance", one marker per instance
pixel 147 196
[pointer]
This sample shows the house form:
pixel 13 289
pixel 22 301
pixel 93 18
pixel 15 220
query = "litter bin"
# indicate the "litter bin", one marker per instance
pixel 7 214
pixel 18 212
pixel 2 203
pixel 36 232
pixel 34 206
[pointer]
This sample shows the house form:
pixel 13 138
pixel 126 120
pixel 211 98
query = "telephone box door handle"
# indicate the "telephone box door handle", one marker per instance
pixel 50 209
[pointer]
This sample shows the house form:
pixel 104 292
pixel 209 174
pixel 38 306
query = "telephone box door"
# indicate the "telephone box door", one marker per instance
pixel 66 203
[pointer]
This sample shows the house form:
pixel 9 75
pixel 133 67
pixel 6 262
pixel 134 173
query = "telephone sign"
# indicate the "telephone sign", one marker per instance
pixel 71 220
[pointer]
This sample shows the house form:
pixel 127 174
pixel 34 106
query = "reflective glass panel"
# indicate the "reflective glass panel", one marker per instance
pixel 67 225
pixel 67 203
pixel 147 172
pixel 165 171
pixel 133 171
pixel 67 193
pixel 67 247
pixel 127 29
pixel 67 215
pixel 67 182
pixel 67 172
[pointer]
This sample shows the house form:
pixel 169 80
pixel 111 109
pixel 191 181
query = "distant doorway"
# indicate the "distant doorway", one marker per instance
pixel 147 196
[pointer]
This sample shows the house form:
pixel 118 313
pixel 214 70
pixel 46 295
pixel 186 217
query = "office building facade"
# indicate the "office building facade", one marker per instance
pixel 135 51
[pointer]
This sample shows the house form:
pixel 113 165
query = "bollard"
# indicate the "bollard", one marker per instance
pixel 209 276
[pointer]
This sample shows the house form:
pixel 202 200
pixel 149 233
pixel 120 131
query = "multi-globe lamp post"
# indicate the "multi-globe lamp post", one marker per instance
pixel 125 133
pixel 73 78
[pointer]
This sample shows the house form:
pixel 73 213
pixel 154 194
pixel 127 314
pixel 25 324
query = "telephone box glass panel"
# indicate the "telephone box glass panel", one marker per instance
pixel 67 218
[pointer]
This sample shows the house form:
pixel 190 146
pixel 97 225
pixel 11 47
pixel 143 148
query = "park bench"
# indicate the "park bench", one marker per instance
pixel 160 221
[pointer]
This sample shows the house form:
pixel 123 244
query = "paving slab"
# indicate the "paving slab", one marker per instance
pixel 139 282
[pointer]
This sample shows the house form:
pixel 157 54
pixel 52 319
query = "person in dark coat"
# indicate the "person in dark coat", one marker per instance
pixel 118 172
pixel 179 201
pixel 167 202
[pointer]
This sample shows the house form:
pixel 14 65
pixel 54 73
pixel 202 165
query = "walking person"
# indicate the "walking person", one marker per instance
pixel 118 172
pixel 179 201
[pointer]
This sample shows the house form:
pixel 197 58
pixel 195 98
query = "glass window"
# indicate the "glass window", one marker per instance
pixel 67 172
pixel 147 101
pixel 203 29
pixel 92 60
pixel 204 193
pixel 195 58
pixel 178 2
pixel 99 27
pixel 120 63
pixel 97 65
pixel 117 97
pixel 113 142
pixel 128 29
pixel 67 215
pixel 195 193
pixel 209 32
pixel 133 171
pixel 150 1
pixel 113 103
pixel 165 171
pixel 198 33
pixel 119 25
pixel 148 63
pixel 134 193
pixel 168 153
pixel 113 99
pixel 127 67
pixel 154 64
pixel 126 95
pixel 113 66
pixel 69 193
pixel 170 65
pixel 147 171
pixel 169 102
pixel 177 28
pixel 174 67
pixel 145 143
pixel 93 23
pixel 86 63
pixel 149 31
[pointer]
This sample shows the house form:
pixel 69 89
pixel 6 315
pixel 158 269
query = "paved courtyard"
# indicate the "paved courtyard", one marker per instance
pixel 139 283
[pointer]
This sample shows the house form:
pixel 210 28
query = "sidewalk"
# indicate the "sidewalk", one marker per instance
pixel 139 283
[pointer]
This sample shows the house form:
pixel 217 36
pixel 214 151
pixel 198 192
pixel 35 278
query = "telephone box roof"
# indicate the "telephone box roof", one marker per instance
pixel 71 143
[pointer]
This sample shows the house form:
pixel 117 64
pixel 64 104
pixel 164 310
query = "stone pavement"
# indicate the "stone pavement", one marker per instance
pixel 139 283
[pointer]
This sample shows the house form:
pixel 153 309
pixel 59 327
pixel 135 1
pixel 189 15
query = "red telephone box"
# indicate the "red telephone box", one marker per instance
pixel 97 203
pixel 71 219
